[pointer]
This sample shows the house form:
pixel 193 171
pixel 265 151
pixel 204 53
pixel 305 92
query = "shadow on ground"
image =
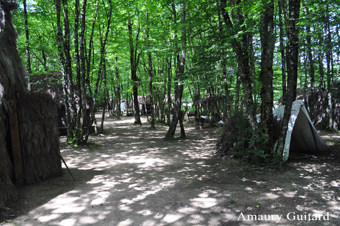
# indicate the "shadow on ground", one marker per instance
pixel 132 177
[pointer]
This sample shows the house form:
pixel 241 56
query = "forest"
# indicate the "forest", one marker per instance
pixel 181 112
pixel 217 58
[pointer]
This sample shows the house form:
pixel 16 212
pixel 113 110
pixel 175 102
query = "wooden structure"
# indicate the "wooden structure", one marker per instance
pixel 12 81
pixel 29 142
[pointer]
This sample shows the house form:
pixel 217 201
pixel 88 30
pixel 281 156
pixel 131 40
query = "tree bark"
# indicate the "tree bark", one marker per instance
pixel 169 71
pixel 224 71
pixel 311 101
pixel 90 50
pixel 182 65
pixel 320 58
pixel 63 70
pixel 82 76
pixel 338 53
pixel 134 59
pixel 292 66
pixel 150 71
pixel 117 90
pixel 77 59
pixel 105 98
pixel 28 55
pixel 68 72
pixel 241 50
pixel 310 53
pixel 179 74
pixel 102 59
pixel 282 19
pixel 329 53
pixel 266 75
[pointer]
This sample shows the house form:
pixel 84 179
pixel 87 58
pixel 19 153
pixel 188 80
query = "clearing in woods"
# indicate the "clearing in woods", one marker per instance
pixel 130 176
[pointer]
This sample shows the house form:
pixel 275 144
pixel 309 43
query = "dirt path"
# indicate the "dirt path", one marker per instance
pixel 129 176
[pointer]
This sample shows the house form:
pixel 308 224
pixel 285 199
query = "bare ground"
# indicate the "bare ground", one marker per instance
pixel 130 176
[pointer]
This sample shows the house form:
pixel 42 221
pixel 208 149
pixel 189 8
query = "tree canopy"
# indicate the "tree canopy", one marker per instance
pixel 244 54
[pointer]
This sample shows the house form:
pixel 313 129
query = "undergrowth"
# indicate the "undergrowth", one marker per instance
pixel 239 140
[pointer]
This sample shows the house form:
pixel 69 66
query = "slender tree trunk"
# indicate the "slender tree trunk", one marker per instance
pixel 182 63
pixel 329 47
pixel 44 59
pixel 320 58
pixel 175 111
pixel 338 53
pixel 292 66
pixel 90 50
pixel 310 54
pixel 102 59
pixel 282 18
pixel 169 71
pixel 134 58
pixel 266 76
pixel 82 76
pixel 62 65
pixel 105 98
pixel 179 73
pixel 68 72
pixel 241 50
pixel 28 55
pixel 305 90
pixel 311 101
pixel 150 72
pixel 117 90
pixel 224 70
pixel 162 101
pixel 77 59
pixel 238 88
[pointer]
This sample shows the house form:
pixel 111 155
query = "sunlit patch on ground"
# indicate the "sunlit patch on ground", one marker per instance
pixel 132 177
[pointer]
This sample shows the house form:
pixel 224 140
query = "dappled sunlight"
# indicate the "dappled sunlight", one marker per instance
pixel 48 218
pixel 289 194
pixel 269 196
pixel 171 218
pixel 136 178
pixel 330 136
pixel 204 202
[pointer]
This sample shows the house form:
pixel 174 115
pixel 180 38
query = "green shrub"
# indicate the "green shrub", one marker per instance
pixel 239 140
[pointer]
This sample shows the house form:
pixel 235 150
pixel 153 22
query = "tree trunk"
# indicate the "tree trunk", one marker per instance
pixel 179 73
pixel 237 91
pixel 77 59
pixel 150 72
pixel 266 75
pixel 134 58
pixel 292 66
pixel 338 53
pixel 83 88
pixel 169 71
pixel 161 101
pixel 282 19
pixel 28 55
pixel 62 65
pixel 90 53
pixel 224 71
pixel 241 50
pixel 329 53
pixel 68 72
pixel 102 58
pixel 117 90
pixel 105 99
pixel 311 101
pixel 320 58
pixel 182 62
pixel 310 54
